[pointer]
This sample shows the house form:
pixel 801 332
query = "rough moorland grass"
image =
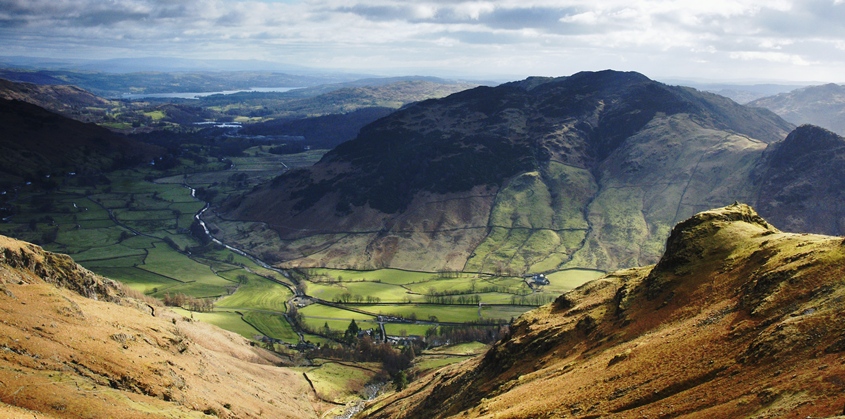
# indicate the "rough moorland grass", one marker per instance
pixel 273 325
pixel 469 348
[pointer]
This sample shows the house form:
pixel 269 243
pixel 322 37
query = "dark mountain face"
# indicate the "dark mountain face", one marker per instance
pixel 804 186
pixel 36 142
pixel 590 170
pixel 487 135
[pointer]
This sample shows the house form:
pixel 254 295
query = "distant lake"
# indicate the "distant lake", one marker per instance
pixel 197 95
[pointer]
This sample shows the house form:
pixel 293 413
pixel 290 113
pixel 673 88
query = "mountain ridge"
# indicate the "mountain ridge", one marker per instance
pixel 737 319
pixel 584 171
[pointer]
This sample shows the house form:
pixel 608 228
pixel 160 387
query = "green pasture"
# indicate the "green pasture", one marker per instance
pixel 428 363
pixel 390 276
pixel 569 279
pixel 273 325
pixel 223 319
pixel 138 279
pixel 339 383
pixel 121 262
pixel 165 261
pixel 257 293
pixel 315 316
pixel 385 292
pixel 406 329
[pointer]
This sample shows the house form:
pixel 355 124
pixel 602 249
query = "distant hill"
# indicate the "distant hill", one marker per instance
pixel 36 143
pixel 115 85
pixel 63 99
pixel 818 105
pixel 76 345
pixel 337 113
pixel 737 319
pixel 589 171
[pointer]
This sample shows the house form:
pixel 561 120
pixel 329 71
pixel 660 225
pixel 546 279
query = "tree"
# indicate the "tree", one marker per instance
pixel 351 332
pixel 400 380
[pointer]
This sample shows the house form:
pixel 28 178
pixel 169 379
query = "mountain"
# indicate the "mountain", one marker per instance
pixel 66 100
pixel 818 105
pixel 36 143
pixel 590 170
pixel 737 319
pixel 73 344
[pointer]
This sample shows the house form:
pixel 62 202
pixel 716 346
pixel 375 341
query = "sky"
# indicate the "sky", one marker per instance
pixel 712 40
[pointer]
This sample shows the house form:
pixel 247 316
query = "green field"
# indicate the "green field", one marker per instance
pixel 273 325
pixel 340 383
pixel 223 319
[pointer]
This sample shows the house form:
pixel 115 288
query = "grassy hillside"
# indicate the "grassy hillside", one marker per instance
pixel 737 319
pixel 86 348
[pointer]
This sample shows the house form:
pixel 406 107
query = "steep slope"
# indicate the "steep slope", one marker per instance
pixel 818 105
pixel 804 184
pixel 590 170
pixel 36 142
pixel 737 319
pixel 73 345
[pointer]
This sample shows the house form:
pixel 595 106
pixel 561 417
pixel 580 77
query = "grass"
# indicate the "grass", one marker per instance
pixel 223 319
pixel 390 276
pixel 138 279
pixel 273 325
pixel 569 279
pixel 317 315
pixel 257 293
pixel 167 262
pixel 338 382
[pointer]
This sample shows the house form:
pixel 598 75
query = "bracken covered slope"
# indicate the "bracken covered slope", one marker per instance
pixel 73 345
pixel 737 319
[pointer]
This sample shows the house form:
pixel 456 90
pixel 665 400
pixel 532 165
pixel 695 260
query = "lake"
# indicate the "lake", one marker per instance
pixel 197 95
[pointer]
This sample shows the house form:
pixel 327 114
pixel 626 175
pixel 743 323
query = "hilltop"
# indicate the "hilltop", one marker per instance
pixel 590 171
pixel 73 344
pixel 822 105
pixel 737 319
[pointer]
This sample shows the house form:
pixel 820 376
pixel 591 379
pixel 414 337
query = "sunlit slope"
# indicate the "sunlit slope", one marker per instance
pixel 737 319
pixel 75 345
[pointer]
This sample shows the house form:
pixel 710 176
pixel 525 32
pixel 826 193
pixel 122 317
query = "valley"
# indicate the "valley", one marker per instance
pixel 368 236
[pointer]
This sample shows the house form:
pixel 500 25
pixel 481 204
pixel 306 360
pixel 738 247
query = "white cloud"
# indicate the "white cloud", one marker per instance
pixel 514 36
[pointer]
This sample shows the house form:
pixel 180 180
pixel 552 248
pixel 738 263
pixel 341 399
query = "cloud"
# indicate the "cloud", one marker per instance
pixel 519 36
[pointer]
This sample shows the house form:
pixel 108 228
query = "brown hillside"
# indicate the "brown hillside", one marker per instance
pixel 737 320
pixel 64 355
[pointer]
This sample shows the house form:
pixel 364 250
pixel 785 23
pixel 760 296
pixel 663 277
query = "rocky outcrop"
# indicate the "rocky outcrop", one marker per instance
pixel 737 319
